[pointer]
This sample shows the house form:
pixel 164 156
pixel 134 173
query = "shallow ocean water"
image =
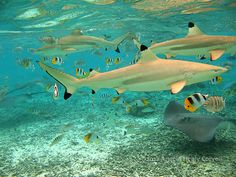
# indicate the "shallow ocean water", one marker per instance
pixel 42 136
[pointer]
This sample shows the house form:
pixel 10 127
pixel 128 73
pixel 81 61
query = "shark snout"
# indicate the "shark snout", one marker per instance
pixel 220 70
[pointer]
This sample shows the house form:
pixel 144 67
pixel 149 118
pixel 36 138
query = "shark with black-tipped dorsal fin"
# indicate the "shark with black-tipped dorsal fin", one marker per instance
pixel 150 73
pixel 198 44
pixel 76 42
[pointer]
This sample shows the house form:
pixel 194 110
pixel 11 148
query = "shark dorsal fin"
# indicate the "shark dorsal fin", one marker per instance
pixel 193 30
pixel 77 32
pixel 147 56
pixel 92 73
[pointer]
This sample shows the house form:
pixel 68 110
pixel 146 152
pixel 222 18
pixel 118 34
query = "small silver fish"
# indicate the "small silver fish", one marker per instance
pixel 56 92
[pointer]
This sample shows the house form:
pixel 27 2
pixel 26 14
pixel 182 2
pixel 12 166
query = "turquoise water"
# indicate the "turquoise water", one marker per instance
pixel 44 136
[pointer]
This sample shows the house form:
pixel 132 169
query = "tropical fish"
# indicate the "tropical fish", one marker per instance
pixel 56 140
pixel 25 63
pixel 193 102
pixel 216 80
pixel 214 104
pixel 139 106
pixel 57 60
pixel 110 61
pixel 149 74
pixel 117 60
pixel 55 92
pixel 118 100
pixel 80 73
pixel 197 43
pixel 199 127
pixel 87 137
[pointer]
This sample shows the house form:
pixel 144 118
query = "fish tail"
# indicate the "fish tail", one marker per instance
pixel 119 40
pixel 69 82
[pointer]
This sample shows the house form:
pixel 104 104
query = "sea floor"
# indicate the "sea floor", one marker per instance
pixel 128 145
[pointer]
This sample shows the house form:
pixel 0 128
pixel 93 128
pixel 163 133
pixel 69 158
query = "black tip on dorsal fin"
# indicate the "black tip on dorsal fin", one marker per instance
pixel 93 92
pixel 117 50
pixel 91 69
pixel 67 95
pixel 143 47
pixel 190 24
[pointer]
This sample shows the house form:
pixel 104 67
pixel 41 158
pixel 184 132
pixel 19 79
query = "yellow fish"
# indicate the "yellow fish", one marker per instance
pixel 57 60
pixel 117 60
pixel 87 137
pixel 216 80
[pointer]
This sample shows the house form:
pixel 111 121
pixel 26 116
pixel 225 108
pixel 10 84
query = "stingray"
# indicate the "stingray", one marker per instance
pixel 199 127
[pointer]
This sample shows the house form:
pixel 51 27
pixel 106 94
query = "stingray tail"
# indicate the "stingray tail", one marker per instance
pixel 119 40
pixel 69 82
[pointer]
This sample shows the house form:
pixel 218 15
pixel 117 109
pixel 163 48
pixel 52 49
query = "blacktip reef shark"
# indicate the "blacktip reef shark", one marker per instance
pixel 150 73
pixel 199 127
pixel 197 43
pixel 75 42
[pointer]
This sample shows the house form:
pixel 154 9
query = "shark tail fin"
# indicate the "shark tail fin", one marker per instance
pixel 119 40
pixel 68 81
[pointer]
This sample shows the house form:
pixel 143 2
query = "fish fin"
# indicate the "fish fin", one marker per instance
pixel 215 54
pixel 77 32
pixel 193 30
pixel 144 101
pixel 68 81
pixel 146 54
pixel 140 46
pixel 177 86
pixel 120 90
pixel 115 99
pixel 93 73
pixel 119 40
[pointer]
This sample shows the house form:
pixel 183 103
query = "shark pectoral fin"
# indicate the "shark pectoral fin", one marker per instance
pixel 193 30
pixel 215 54
pixel 177 86
pixel 120 90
